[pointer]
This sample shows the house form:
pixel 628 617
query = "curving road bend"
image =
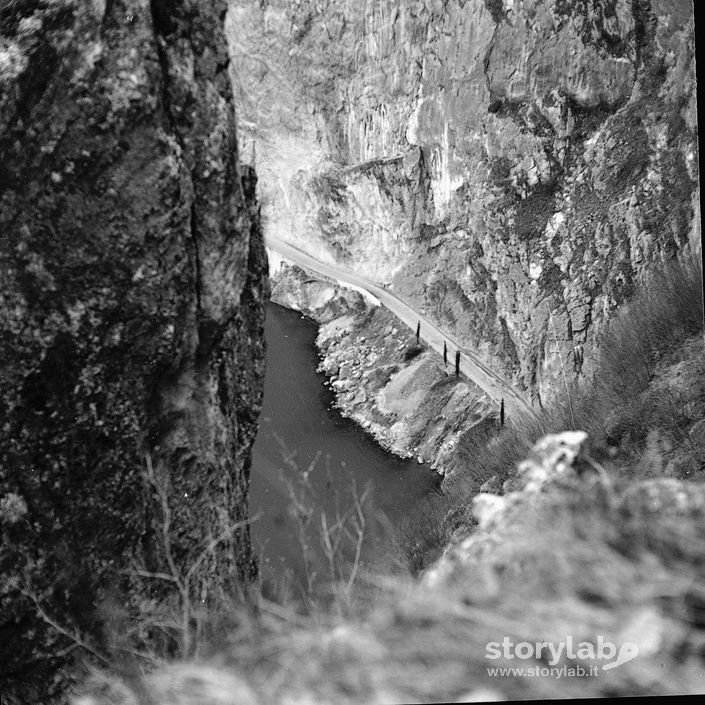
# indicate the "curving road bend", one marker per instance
pixel 495 386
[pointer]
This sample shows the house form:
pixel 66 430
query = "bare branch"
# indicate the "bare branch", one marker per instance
pixel 166 522
pixel 224 535
pixel 148 574
pixel 76 639
pixel 360 527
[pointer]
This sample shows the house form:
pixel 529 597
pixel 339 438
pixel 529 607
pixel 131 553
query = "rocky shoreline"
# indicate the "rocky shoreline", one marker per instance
pixel 398 391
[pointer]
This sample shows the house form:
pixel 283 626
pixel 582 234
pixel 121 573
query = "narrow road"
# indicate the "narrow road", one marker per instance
pixel 495 386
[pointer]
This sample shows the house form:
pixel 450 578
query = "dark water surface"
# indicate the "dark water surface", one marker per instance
pixel 309 464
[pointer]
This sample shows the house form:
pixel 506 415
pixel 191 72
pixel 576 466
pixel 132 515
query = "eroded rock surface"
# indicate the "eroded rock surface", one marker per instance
pixel 512 167
pixel 131 309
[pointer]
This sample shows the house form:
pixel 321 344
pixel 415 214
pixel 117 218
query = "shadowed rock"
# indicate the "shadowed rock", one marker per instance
pixel 133 277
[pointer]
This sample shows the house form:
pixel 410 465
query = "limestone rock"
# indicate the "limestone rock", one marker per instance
pixel 513 168
pixel 552 457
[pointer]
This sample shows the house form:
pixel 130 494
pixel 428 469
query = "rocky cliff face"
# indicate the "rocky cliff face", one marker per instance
pixel 131 310
pixel 512 167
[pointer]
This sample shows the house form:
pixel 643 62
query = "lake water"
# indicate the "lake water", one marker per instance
pixel 317 479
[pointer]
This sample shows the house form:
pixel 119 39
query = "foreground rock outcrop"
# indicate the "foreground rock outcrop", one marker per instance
pixel 131 309
pixel 570 556
pixel 546 486
pixel 512 168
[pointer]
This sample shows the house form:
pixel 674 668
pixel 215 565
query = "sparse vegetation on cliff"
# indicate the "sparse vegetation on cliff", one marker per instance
pixel 632 395
pixel 642 409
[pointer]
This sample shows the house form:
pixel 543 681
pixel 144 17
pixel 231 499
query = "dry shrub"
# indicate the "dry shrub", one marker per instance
pixel 423 533
pixel 665 312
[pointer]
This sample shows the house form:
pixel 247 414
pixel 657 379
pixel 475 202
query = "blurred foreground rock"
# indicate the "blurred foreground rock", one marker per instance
pixel 565 554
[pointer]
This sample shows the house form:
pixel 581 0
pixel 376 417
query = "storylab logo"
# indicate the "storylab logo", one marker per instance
pixel 603 655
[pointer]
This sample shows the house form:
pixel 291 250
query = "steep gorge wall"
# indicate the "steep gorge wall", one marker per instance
pixel 512 168
pixel 131 309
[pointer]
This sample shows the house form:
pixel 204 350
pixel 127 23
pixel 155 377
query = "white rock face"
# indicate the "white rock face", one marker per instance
pixel 513 168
